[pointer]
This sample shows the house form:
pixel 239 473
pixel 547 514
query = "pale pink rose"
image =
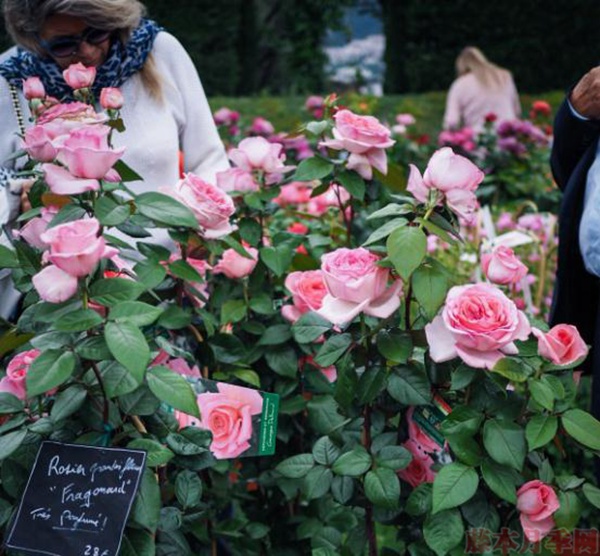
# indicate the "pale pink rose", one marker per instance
pixel 75 247
pixel 416 186
pixel 562 345
pixel 16 373
pixel 308 290
pixel 54 285
pixel 295 193
pixel 71 115
pixel 38 143
pixel 533 222
pixel 502 266
pixel 34 228
pixel 419 469
pixel 356 284
pixel 256 153
pixel 211 206
pixel 314 101
pixel 79 76
pixel 479 324
pixel 416 434
pixel 537 502
pixel 405 119
pixel 177 364
pixel 336 196
pixel 464 204
pixel 236 266
pixel 505 221
pixel 62 182
pixel 432 243
pixel 225 116
pixel 33 88
pixel 228 415
pixel 111 98
pixel 363 164
pixel 236 179
pixel 87 154
pixel 446 171
pixel 261 126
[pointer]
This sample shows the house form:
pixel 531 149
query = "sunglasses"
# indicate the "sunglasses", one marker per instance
pixel 62 47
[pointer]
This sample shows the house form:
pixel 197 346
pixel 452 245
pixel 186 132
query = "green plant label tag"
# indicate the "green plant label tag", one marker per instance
pixel 429 418
pixel 268 424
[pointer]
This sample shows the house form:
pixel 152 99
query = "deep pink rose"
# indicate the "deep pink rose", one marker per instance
pixel 236 266
pixel 356 284
pixel 79 76
pixel 76 247
pixel 479 324
pixel 228 415
pixel 87 154
pixel 562 345
pixel 34 228
pixel 236 179
pixel 16 373
pixel 33 88
pixel 537 502
pixel 210 204
pixel 502 266
pixel 419 469
pixel 256 153
pixel 62 182
pixel 308 290
pixel 111 98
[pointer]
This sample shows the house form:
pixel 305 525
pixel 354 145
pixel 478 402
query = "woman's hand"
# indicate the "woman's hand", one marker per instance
pixel 21 187
pixel 585 97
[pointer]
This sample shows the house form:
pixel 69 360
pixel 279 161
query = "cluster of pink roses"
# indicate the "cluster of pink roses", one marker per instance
pixel 451 177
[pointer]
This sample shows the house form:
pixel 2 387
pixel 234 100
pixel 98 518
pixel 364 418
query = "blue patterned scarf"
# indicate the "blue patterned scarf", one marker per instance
pixel 122 61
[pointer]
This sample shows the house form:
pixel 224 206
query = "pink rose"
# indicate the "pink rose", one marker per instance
pixel 418 470
pixel 308 290
pixel 314 101
pixel 71 115
pixel 111 98
pixel 225 116
pixel 464 204
pixel 478 324
pixel 16 373
pixel 236 179
pixel 416 434
pixel 87 154
pixel 537 502
pixel 562 345
pixel 79 76
pixel 33 88
pixel 260 126
pixel 38 143
pixel 34 228
pixel 62 182
pixel 197 291
pixel 356 284
pixel 256 153
pixel 505 221
pixel 336 196
pixel 54 285
pixel 405 119
pixel 177 364
pixel 294 193
pixel 228 415
pixel 75 247
pixel 210 204
pixel 502 266
pixel 236 266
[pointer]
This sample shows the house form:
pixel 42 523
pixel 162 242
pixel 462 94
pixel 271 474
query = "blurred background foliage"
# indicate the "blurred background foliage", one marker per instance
pixel 248 47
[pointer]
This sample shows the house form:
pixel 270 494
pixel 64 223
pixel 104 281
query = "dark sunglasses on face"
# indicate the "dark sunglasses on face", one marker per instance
pixel 62 47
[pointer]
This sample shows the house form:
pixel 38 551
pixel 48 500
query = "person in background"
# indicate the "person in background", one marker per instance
pixel 481 88
pixel 575 163
pixel 165 110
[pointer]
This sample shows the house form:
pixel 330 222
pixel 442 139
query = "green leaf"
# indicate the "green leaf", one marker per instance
pixel 93 348
pixel 505 442
pixel 420 500
pixel 353 464
pixel 333 349
pixel 513 369
pixel 463 421
pixel 277 259
pixel 342 489
pixel 410 386
pixel 382 487
pixel 136 312
pixel 128 346
pixel 10 404
pixel 156 453
pixel 8 258
pixel 395 345
pixel 185 271
pixel 309 327
pixel 393 457
pixel 283 360
pixel 325 451
pixel 49 369
pixel 117 380
pixel 542 393
pixel 430 287
pixel 110 213
pixel 582 427
pixel 371 383
pixel 323 414
pixel 170 387
pixel 227 348
pixel 126 172
pixel 568 514
pixel 454 485
pixel 466 449
pixel 68 213
pixel 146 508
pixel 150 274
pixel 10 442
pixel 275 335
pixel 68 402
pixel 233 310
pixel 188 489
pixel 78 321
pixel 385 230
pixel 313 168
pixel 443 531
pixel 248 376
pixel 352 183
pixel 111 291
pixel 407 247
pixel 592 493
pixel 165 210
pixel 317 482
pixel 296 466
pixel 502 480
pixel 540 430
pixel 175 318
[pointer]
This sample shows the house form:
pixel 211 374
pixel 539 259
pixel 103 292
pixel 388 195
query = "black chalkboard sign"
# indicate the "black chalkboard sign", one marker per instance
pixel 77 500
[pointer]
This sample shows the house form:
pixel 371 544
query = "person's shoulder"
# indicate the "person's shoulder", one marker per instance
pixel 167 45
pixel 7 54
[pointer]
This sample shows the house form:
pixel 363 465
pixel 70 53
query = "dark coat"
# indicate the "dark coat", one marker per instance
pixel 576 291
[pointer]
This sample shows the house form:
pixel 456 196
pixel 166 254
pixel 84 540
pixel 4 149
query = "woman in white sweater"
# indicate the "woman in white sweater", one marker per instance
pixel 165 108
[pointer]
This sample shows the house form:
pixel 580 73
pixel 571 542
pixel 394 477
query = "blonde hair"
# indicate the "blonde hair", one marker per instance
pixel 472 60
pixel 24 20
